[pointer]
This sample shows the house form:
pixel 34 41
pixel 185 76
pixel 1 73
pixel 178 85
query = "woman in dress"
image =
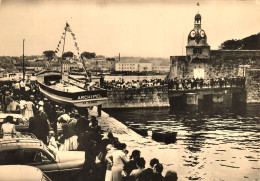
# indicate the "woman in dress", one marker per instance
pixel 110 149
pixel 118 159
pixel 28 112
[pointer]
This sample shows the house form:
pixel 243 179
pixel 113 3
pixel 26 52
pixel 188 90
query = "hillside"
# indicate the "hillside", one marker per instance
pixel 249 43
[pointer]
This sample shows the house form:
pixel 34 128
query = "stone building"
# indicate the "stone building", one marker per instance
pixel 197 48
pixel 133 66
pixel 201 62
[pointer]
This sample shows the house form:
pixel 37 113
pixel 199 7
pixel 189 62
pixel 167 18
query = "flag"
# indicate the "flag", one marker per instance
pixel 198 3
pixel 67 28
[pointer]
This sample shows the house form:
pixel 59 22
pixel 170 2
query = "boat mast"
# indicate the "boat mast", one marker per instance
pixel 63 45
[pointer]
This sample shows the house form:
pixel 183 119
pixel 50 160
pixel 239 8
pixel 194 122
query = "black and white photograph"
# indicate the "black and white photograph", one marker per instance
pixel 129 90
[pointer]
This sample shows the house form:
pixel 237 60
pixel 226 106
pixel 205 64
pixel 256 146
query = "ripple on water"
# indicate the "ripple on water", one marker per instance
pixel 215 135
pixel 230 166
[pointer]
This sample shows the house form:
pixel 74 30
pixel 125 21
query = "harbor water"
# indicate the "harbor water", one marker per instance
pixel 212 144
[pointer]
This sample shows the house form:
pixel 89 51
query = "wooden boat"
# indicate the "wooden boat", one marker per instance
pixel 66 92
pixel 164 136
pixel 65 89
pixel 139 129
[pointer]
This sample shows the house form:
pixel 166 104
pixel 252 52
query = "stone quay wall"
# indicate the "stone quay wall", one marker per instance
pixel 223 63
pixel 253 85
pixel 156 96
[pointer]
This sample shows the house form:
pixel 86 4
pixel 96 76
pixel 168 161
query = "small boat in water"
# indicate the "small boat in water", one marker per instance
pixel 139 129
pixel 164 136
pixel 64 91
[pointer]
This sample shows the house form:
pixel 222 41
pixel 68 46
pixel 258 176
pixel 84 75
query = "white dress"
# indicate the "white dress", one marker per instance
pixel 119 160
pixel 28 110
pixel 22 107
pixel 108 170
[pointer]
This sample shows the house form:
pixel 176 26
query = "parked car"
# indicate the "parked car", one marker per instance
pixel 21 123
pixel 30 151
pixel 22 173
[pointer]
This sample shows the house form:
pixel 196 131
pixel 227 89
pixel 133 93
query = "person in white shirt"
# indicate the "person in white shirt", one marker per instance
pixel 8 128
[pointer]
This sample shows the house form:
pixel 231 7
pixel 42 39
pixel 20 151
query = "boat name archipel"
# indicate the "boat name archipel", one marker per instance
pixel 95 96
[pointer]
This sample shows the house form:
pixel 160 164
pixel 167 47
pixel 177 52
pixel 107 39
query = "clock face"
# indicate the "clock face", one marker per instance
pixel 202 33
pixel 192 33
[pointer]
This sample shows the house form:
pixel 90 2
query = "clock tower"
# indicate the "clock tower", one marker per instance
pixel 197 48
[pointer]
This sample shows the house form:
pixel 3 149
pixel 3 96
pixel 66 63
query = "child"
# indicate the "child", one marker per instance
pixel 52 143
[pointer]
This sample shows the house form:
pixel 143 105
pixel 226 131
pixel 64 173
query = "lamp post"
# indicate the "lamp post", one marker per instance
pixel 23 61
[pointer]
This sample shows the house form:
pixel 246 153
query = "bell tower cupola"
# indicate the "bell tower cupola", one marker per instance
pixel 197 21
pixel 197 48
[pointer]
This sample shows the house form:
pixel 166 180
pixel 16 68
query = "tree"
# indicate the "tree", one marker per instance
pixel 49 54
pixel 249 43
pixel 88 55
pixel 111 59
pixel 67 54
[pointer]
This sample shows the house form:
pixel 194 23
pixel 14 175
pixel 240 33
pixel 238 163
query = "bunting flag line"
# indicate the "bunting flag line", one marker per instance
pixel 67 28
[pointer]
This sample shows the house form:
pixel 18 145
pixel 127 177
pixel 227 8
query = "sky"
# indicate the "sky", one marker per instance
pixel 149 28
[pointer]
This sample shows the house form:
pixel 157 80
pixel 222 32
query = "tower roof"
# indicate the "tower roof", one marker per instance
pixel 198 16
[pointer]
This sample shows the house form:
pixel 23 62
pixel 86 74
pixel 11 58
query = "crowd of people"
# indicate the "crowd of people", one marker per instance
pixel 69 128
pixel 195 83
pixel 122 84
pixel 175 84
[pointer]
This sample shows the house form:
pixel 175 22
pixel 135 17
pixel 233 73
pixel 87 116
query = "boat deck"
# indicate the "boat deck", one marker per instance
pixel 66 88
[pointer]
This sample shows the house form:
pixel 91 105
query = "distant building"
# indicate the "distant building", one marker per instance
pixel 162 67
pixel 133 65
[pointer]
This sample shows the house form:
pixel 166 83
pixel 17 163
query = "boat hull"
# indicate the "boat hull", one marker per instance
pixel 69 101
